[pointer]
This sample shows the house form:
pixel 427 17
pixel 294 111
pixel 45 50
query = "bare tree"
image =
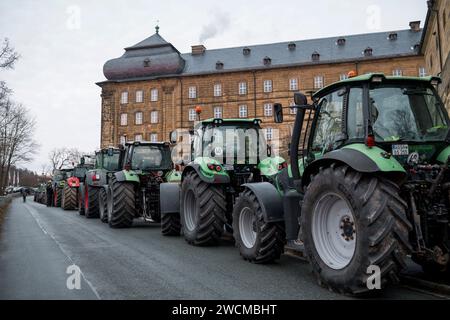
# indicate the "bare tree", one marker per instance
pixel 62 157
pixel 8 56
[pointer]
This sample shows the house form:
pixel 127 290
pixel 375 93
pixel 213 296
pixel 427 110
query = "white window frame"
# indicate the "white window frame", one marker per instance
pixel 124 119
pixel 242 88
pixel 318 82
pixel 139 96
pixel 267 86
pixel 122 140
pixel 139 118
pixel 422 72
pixel 154 116
pixel 292 110
pixel 268 109
pixel 218 112
pixel 138 137
pixel 293 84
pixel 243 111
pixel 217 90
pixel 154 95
pixel 397 72
pixel 192 114
pixel 124 97
pixel 192 92
pixel 343 76
pixel 269 134
pixel 153 137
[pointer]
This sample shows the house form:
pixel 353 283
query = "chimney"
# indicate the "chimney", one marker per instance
pixel 415 26
pixel 198 50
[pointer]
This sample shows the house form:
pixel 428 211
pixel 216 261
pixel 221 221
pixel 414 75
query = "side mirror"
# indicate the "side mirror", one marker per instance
pixel 173 137
pixel 110 152
pixel 300 99
pixel 82 161
pixel 278 112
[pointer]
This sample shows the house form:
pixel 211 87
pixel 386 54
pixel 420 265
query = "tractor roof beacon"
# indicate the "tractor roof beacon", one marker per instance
pixel 133 191
pixel 226 154
pixel 368 183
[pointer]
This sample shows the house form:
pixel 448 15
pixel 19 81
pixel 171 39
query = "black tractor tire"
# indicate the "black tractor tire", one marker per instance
pixel 57 197
pixel 69 198
pixel 123 205
pixel 81 199
pixel 269 238
pixel 91 203
pixel 379 222
pixel 102 205
pixel 170 224
pixel 206 203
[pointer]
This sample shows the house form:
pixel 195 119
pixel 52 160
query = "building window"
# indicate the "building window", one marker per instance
pixel 292 110
pixel 422 72
pixel 293 84
pixel 217 90
pixel 122 140
pixel 154 117
pixel 218 112
pixel 269 134
pixel 153 137
pixel 343 76
pixel 138 118
pixel 154 95
pixel 124 97
pixel 267 86
pixel 123 119
pixel 242 88
pixel 139 96
pixel 138 137
pixel 192 92
pixel 318 82
pixel 268 110
pixel 397 72
pixel 243 111
pixel 192 115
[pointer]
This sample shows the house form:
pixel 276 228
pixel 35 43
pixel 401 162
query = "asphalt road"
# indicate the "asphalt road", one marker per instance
pixel 38 244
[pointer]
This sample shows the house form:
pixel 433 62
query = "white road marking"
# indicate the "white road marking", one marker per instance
pixel 35 215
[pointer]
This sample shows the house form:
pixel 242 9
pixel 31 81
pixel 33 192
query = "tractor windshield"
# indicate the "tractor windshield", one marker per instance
pixel 150 157
pixel 407 113
pixel 111 163
pixel 234 144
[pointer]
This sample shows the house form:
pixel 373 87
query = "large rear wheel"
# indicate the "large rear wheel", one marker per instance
pixel 203 208
pixel 170 224
pixel 258 241
pixel 57 197
pixel 69 198
pixel 121 205
pixel 354 224
pixel 91 202
pixel 102 205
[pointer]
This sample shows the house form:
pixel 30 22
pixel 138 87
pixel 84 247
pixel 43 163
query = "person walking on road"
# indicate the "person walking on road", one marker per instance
pixel 24 194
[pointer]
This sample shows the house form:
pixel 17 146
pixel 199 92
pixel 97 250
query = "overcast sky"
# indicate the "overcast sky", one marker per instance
pixel 64 43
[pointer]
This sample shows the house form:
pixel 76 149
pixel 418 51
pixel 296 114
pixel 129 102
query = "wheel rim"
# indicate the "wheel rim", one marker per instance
pixel 246 224
pixel 334 231
pixel 190 210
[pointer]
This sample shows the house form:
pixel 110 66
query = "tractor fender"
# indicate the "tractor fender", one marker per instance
pixel 126 176
pixel 208 178
pixel 360 158
pixel 269 199
pixel 169 198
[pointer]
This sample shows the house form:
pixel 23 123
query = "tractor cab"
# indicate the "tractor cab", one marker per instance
pixel 109 159
pixel 146 157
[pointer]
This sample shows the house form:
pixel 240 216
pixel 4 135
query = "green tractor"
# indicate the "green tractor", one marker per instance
pixel 134 191
pixel 58 183
pixel 93 186
pixel 368 184
pixel 40 194
pixel 71 189
pixel 227 154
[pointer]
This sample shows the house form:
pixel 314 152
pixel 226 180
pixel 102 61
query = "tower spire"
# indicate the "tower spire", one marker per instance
pixel 157 27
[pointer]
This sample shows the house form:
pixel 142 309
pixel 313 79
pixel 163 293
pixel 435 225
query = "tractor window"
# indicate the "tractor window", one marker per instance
pixel 150 158
pixel 355 120
pixel 409 113
pixel 111 163
pixel 329 123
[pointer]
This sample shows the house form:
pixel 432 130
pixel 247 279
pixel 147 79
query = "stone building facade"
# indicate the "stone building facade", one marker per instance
pixel 435 45
pixel 153 89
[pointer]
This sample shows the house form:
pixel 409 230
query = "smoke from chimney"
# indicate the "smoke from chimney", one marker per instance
pixel 219 22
